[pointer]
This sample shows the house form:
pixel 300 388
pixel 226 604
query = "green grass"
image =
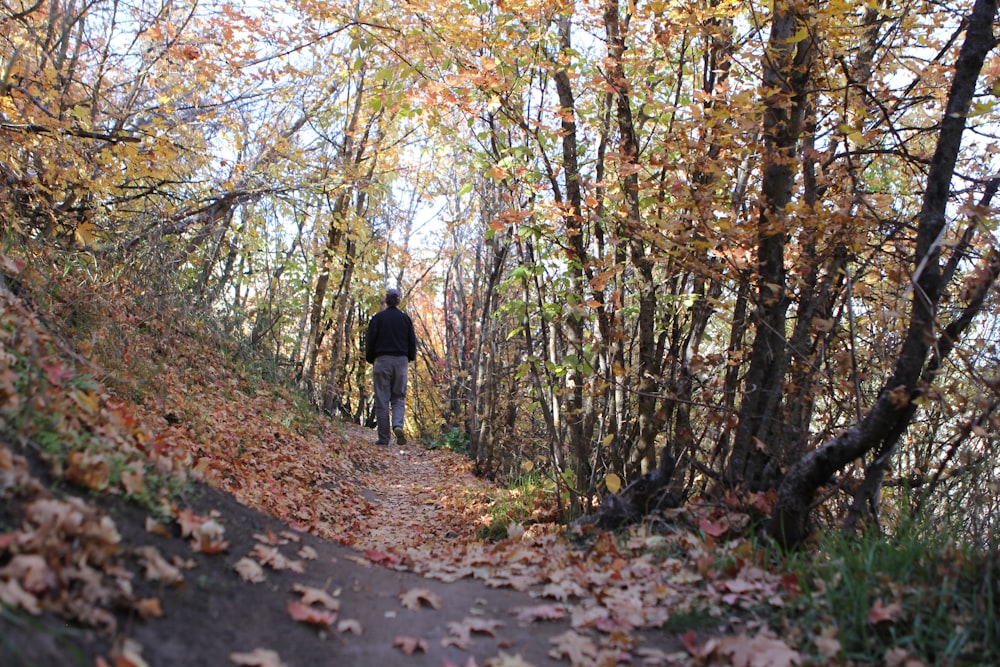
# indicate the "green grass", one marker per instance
pixel 939 599
pixel 515 504
pixel 454 439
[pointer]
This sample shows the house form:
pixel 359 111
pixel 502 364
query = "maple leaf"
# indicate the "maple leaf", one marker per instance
pixel 409 645
pixel 250 571
pixel 715 529
pixel 460 634
pixel 127 652
pixel 157 567
pixel 148 608
pixel 827 643
pixel 207 537
pixel 900 657
pixel 689 640
pixel 312 596
pixel 260 657
pixel 188 521
pixel 761 651
pixel 415 597
pixel 579 649
pixel 274 559
pixel 507 660
pixel 12 595
pixel 881 613
pixel 156 528
pixel 310 615
pixel 542 612
pixel 379 557
pixel 350 625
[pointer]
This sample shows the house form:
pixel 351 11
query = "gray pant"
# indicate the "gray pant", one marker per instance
pixel 389 376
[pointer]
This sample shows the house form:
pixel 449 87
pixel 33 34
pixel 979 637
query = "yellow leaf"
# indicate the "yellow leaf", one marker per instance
pixel 613 482
pixel 85 234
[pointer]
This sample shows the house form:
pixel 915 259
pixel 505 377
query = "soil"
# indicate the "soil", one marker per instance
pixel 214 615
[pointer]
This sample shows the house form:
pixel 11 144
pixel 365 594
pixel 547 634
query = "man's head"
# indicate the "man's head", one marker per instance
pixel 392 297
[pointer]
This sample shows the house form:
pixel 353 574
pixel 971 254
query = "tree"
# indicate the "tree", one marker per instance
pixel 915 366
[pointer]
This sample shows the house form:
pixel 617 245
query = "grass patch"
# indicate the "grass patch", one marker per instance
pixel 681 621
pixel 523 501
pixel 913 591
pixel 454 439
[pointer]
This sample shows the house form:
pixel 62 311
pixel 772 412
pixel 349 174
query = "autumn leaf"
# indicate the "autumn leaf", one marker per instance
pixel 714 528
pixel 127 652
pixel 761 651
pixel 350 625
pixel 882 613
pixel 157 567
pixel 310 615
pixel 542 612
pixel 207 537
pixel 460 633
pixel 250 571
pixel 148 608
pixel 577 648
pixel 506 660
pixel 260 657
pixel 380 558
pixel 409 645
pixel 415 597
pixel 311 596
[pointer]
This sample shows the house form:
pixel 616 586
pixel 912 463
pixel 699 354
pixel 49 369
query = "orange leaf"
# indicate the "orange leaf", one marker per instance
pixel 310 615
pixel 881 613
pixel 410 645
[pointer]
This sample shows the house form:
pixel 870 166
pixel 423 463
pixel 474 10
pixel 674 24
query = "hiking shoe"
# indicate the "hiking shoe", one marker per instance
pixel 400 436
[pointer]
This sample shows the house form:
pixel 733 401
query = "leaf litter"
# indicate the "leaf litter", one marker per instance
pixel 215 424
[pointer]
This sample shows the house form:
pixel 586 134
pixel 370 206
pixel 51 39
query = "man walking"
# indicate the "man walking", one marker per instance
pixel 390 345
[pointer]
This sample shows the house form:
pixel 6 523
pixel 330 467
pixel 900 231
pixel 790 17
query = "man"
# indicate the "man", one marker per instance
pixel 390 345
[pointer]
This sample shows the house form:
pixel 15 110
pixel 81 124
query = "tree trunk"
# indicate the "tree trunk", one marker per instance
pixel 785 81
pixel 892 411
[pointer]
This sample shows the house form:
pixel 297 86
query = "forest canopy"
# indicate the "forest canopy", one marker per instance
pixel 759 238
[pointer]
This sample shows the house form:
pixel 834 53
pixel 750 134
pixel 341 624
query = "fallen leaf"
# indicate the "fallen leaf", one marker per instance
pixel 312 596
pixel 148 608
pixel 127 652
pixel 827 643
pixel 157 568
pixel 250 571
pixel 409 645
pixel 380 558
pixel 310 615
pixel 156 528
pixel 12 595
pixel 542 612
pixel 350 625
pixel 761 651
pixel 507 660
pixel 413 598
pixel 716 528
pixel 881 613
pixel 460 633
pixel 259 657
pixel 307 553
pixel 580 650
pixel 207 537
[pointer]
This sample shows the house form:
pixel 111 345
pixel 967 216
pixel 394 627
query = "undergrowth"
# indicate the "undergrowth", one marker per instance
pixel 526 499
pixel 913 594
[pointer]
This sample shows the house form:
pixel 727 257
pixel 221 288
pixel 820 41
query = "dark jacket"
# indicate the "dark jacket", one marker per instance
pixel 390 331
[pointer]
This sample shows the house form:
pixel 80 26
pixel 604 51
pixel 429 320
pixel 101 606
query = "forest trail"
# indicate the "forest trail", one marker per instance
pixel 260 534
